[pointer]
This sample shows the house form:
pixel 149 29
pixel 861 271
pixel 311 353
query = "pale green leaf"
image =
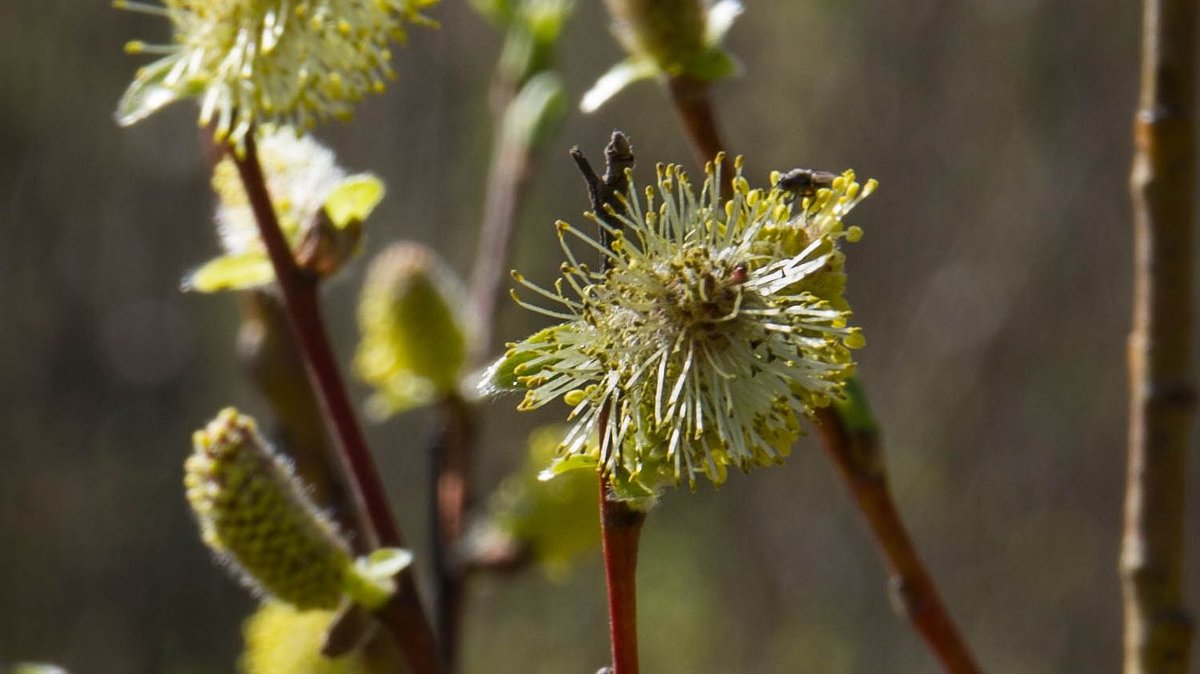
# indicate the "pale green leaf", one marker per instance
pixel 564 464
pixel 617 78
pixel 231 272
pixel 148 93
pixel 536 110
pixel 353 199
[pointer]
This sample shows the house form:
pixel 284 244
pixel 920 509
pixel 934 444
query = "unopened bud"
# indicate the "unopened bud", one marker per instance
pixel 414 337
pixel 253 512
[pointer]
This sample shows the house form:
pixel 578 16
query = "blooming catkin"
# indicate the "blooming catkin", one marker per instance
pixel 254 514
pixel 717 326
pixel 278 62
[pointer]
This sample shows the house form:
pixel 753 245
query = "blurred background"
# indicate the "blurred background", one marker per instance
pixel 993 286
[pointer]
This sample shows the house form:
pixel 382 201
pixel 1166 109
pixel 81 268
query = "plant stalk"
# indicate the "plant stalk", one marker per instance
pixel 854 450
pixel 507 179
pixel 302 304
pixel 451 463
pixel 1162 386
pixel 694 109
pixel 620 530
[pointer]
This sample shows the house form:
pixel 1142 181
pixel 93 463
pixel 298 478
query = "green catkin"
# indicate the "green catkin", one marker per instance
pixel 253 512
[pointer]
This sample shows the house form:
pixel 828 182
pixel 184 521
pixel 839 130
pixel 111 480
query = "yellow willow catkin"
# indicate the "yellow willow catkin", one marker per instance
pixel 254 514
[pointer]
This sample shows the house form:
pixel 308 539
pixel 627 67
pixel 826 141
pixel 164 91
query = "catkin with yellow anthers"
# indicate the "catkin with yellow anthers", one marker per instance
pixel 254 514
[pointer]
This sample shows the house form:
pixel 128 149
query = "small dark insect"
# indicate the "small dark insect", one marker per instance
pixel 805 182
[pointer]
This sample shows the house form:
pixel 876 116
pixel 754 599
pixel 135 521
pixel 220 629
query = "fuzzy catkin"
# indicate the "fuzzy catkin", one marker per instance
pixel 254 514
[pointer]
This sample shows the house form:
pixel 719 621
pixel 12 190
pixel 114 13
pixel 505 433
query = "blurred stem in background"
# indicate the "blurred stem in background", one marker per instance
pixel 527 103
pixel 403 615
pixel 1162 388
pixel 679 42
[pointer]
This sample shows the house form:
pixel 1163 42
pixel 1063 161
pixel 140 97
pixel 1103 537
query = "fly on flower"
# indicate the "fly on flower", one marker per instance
pixel 805 182
pixel 704 342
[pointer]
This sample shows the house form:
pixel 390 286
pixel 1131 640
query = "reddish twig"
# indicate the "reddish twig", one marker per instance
pixel 508 177
pixel 1162 387
pixel 302 303
pixel 694 109
pixel 855 453
pixel 620 531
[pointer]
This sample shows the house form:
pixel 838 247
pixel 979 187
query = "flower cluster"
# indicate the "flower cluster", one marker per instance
pixel 704 338
pixel 281 62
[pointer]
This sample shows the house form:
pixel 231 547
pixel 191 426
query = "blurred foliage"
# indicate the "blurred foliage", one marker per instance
pixel 554 516
pixel 282 640
pixel 414 330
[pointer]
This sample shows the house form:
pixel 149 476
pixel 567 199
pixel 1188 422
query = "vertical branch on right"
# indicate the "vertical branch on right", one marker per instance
pixel 1162 388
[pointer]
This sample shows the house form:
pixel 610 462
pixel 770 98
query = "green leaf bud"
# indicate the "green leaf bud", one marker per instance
pixel 669 38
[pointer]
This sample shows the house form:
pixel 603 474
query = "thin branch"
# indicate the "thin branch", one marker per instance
pixel 1162 387
pixel 302 303
pixel 620 531
pixel 694 109
pixel 603 190
pixel 857 456
pixel 451 462
pixel 853 448
pixel 508 177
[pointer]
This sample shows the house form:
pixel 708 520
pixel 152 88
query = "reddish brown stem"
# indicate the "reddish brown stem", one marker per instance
pixel 300 297
pixel 302 303
pixel 452 499
pixel 508 176
pixel 856 455
pixel 1162 386
pixel 695 111
pixel 620 531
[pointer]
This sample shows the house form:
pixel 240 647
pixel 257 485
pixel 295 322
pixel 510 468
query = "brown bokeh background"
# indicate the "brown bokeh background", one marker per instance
pixel 993 285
